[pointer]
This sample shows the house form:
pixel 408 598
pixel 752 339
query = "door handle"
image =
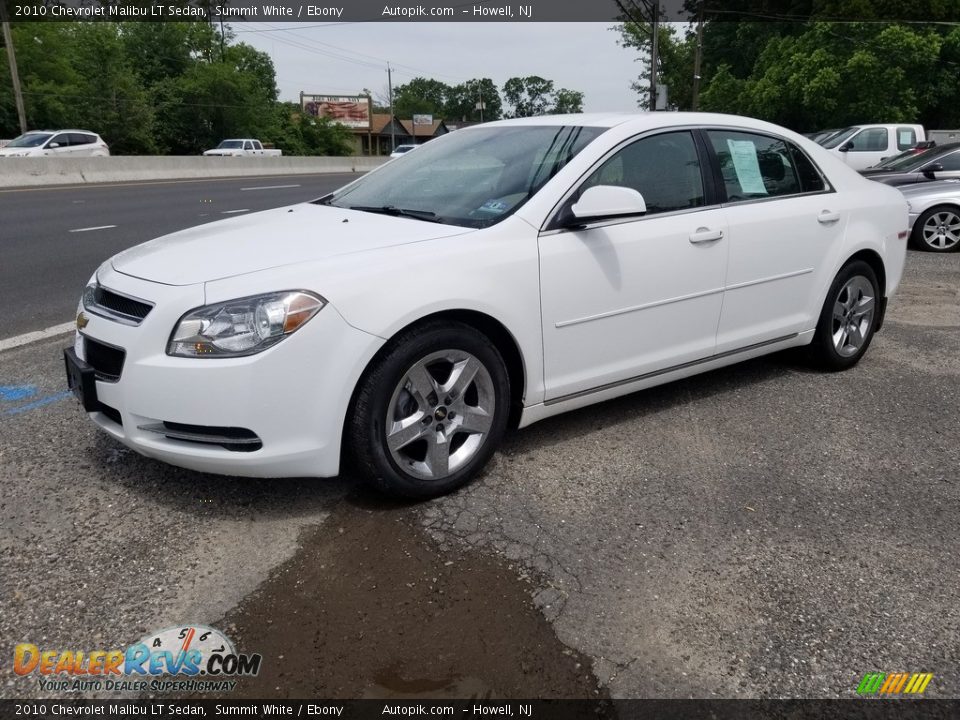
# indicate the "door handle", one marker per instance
pixel 703 235
pixel 826 217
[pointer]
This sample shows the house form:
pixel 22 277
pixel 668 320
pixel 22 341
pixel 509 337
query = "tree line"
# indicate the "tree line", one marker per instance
pixel 480 99
pixel 816 64
pixel 148 88
pixel 180 88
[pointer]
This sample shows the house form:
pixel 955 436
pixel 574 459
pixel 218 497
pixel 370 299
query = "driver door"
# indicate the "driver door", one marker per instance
pixel 625 298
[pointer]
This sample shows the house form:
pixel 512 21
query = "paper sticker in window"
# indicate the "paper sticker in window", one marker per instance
pixel 743 153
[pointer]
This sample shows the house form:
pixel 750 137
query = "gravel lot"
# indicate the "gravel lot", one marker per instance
pixel 759 531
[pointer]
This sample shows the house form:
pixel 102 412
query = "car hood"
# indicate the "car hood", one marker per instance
pixel 273 238
pixel 17 151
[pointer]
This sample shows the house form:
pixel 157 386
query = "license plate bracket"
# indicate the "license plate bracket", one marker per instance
pixel 82 380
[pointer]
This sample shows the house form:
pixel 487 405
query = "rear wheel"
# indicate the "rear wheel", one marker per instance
pixel 938 229
pixel 428 415
pixel 848 318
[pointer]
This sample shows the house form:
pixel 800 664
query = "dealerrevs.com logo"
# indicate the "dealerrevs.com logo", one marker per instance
pixel 192 658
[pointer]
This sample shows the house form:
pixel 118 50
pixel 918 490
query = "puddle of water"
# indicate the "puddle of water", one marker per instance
pixel 390 685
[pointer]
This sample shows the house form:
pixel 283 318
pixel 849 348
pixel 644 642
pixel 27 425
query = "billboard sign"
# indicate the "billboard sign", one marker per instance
pixel 350 110
pixel 423 119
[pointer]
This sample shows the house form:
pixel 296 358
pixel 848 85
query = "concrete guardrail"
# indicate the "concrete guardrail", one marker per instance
pixel 30 172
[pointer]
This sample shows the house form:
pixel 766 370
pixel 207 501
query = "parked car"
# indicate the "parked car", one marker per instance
pixel 401 150
pixel 894 160
pixel 861 146
pixel 500 274
pixel 937 163
pixel 242 147
pixel 822 135
pixel 56 143
pixel 934 214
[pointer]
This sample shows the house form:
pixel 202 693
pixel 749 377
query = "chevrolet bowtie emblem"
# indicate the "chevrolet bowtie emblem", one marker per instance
pixel 82 321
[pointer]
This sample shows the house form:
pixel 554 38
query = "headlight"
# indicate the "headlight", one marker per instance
pixel 244 326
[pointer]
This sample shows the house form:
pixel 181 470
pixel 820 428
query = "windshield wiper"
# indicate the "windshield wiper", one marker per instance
pixel 424 215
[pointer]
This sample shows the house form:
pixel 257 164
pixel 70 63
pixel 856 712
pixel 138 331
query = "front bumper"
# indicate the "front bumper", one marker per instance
pixel 293 397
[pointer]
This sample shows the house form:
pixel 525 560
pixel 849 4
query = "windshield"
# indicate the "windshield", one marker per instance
pixel 230 145
pixel 473 178
pixel 840 137
pixel 29 140
pixel 910 161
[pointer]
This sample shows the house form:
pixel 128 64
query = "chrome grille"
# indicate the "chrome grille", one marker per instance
pixel 115 306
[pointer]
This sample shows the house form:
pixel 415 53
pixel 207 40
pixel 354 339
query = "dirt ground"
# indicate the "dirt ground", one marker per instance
pixel 370 608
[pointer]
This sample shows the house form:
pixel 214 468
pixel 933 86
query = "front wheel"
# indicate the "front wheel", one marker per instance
pixel 938 229
pixel 429 413
pixel 848 318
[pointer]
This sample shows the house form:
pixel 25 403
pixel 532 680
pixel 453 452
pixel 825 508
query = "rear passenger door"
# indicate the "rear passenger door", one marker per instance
pixel 783 218
pixel 82 144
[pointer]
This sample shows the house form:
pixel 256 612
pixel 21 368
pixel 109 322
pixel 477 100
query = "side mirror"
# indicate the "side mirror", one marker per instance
pixel 53 145
pixel 607 201
pixel 931 170
pixel 846 147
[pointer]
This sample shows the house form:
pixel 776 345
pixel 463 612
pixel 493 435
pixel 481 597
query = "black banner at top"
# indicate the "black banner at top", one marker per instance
pixel 352 11
pixel 160 709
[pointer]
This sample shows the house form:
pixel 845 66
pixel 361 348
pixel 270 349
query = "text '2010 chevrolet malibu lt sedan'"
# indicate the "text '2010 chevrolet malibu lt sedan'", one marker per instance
pixel 502 273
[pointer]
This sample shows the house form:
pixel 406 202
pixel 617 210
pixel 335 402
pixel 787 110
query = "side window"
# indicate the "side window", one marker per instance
pixel 950 162
pixel 62 140
pixel 80 139
pixel 248 145
pixel 757 166
pixel 257 145
pixel 870 140
pixel 906 138
pixel 663 168
pixel 810 178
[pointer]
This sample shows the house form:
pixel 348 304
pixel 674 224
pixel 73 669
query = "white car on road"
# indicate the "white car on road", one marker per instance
pixel 56 143
pixel 499 275
pixel 242 147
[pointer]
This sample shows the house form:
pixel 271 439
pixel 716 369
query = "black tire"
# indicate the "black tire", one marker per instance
pixel 386 382
pixel 917 236
pixel 823 350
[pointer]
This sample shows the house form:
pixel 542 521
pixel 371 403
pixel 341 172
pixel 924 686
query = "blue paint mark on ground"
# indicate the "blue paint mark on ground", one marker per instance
pixel 39 403
pixel 11 393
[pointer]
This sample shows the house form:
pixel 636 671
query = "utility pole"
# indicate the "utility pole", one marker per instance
pixel 14 77
pixel 654 42
pixel 480 99
pixel 393 139
pixel 695 100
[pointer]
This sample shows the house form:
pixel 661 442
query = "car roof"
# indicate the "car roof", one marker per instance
pixel 641 121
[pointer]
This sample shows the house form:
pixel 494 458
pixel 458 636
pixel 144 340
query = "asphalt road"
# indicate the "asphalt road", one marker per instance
pixel 763 530
pixel 62 234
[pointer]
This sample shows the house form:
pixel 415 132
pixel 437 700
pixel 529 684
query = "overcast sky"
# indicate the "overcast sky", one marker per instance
pixel 344 58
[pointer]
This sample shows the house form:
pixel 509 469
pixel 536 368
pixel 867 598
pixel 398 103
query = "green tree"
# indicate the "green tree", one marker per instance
pixel 528 96
pixel 420 96
pixel 567 101
pixel 462 101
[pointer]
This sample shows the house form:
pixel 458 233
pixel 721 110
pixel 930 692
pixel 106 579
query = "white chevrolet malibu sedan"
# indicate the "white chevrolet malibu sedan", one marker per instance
pixel 499 275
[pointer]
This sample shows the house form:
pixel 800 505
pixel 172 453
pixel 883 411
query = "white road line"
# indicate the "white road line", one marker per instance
pixel 30 337
pixel 268 187
pixel 230 212
pixel 98 227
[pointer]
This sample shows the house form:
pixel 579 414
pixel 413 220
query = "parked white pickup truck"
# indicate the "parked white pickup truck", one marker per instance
pixel 242 148
pixel 863 146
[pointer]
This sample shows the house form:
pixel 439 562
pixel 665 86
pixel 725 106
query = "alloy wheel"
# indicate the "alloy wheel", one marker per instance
pixel 941 231
pixel 440 414
pixel 853 315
